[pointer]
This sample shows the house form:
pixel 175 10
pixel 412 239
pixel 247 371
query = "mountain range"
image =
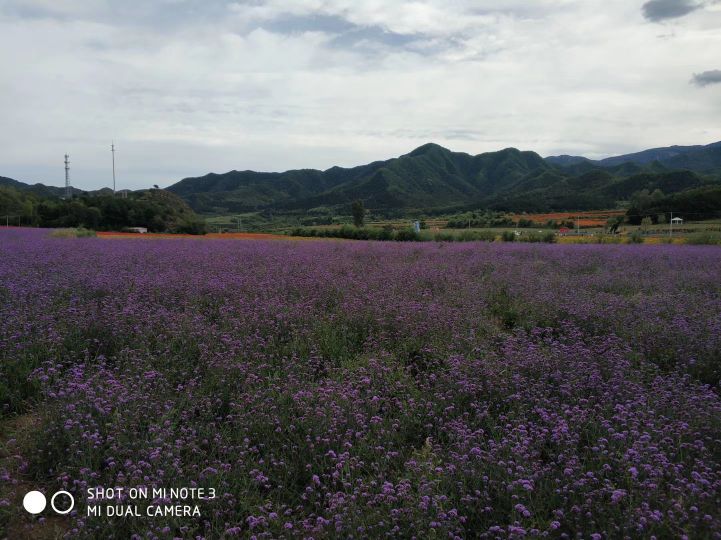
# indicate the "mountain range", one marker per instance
pixel 698 158
pixel 434 179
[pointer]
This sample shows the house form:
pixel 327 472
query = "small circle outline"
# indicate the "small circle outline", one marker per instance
pixel 72 502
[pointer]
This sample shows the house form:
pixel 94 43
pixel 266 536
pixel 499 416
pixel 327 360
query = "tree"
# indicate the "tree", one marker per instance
pixel 13 203
pixel 614 223
pixel 359 213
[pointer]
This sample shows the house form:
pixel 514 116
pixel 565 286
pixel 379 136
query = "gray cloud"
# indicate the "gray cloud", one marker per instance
pixel 374 35
pixel 660 10
pixel 297 24
pixel 186 87
pixel 159 14
pixel 707 77
pixel 369 40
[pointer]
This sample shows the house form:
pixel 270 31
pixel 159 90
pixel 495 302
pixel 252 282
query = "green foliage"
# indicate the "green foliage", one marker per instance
pixel 442 236
pixel 548 237
pixel 460 236
pixel 358 211
pixel 704 239
pixel 15 203
pixel 407 235
pixel 700 203
pixel 636 238
pixel 479 219
pixel 157 210
pixel 644 198
pixel 358 233
pixel 607 239
pixel 73 233
pixel 476 236
pixel 614 223
pixel 525 223
pixel 429 178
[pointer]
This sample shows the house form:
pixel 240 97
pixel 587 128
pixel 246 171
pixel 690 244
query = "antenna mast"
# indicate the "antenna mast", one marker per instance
pixel 112 149
pixel 67 177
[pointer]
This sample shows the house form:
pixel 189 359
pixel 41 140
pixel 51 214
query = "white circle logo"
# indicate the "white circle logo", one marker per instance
pixel 34 502
pixel 69 508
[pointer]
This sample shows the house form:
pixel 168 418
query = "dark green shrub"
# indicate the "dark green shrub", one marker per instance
pixel 525 223
pixel 549 237
pixel 194 226
pixel 79 232
pixel 346 231
pixel 407 236
pixel 705 238
pixel 475 236
pixel 385 233
pixel 635 238
pixel 444 237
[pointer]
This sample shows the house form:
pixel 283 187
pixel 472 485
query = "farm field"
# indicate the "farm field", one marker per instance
pixel 362 390
pixel 593 218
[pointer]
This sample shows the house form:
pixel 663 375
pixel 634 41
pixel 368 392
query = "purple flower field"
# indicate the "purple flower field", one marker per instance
pixel 331 389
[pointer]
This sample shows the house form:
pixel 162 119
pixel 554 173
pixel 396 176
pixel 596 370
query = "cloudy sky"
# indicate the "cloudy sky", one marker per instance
pixel 185 87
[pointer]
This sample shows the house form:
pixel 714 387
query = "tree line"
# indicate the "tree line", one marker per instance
pixel 157 210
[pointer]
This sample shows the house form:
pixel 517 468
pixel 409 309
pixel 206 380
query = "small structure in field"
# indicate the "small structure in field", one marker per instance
pixel 139 230
pixel 677 221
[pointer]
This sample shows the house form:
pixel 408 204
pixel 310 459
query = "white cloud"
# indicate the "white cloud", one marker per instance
pixel 271 85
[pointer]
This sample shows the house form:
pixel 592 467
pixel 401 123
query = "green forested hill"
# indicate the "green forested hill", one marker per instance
pixel 435 178
pixel 430 177
pixel 696 158
pixel 156 209
pixel 41 190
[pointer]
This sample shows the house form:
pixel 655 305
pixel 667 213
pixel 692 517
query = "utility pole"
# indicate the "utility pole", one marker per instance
pixel 67 177
pixel 112 149
pixel 670 226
